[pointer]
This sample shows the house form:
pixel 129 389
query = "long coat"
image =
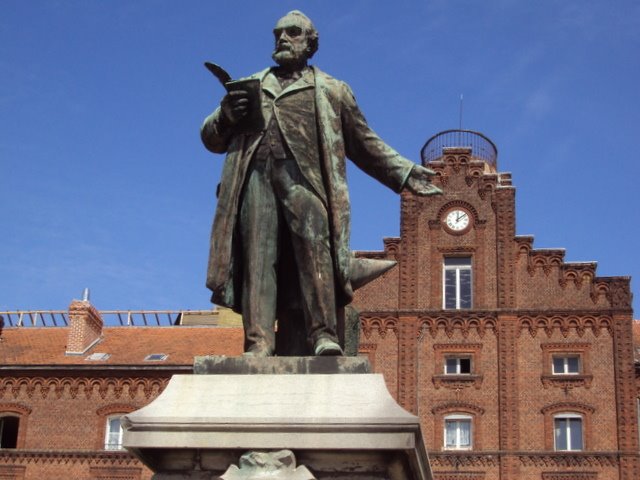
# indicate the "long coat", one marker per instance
pixel 342 132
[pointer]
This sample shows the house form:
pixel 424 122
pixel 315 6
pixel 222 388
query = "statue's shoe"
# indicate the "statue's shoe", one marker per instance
pixel 326 347
pixel 258 352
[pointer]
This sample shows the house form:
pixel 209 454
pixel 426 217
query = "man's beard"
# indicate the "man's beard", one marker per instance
pixel 289 57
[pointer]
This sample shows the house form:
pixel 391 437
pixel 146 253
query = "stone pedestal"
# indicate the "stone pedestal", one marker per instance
pixel 339 425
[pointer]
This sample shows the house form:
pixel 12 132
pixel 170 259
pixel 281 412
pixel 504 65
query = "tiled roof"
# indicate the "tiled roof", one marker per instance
pixel 125 345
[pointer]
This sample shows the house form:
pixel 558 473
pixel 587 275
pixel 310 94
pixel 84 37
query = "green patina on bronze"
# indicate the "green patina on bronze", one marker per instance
pixel 280 237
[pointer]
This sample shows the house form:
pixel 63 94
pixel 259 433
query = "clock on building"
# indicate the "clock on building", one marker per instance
pixel 457 220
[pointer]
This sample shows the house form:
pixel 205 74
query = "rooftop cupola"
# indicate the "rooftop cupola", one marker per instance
pixel 474 144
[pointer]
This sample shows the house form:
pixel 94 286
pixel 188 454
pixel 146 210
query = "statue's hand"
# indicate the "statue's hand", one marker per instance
pixel 235 105
pixel 419 181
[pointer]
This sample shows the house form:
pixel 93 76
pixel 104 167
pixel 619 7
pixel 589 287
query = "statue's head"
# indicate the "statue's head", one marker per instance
pixel 296 40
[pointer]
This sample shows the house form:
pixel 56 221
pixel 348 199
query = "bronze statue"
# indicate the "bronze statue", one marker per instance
pixel 280 237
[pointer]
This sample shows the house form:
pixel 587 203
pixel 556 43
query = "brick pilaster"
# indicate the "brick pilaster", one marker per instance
pixel 408 256
pixel 508 395
pixel 408 363
pixel 504 205
pixel 626 398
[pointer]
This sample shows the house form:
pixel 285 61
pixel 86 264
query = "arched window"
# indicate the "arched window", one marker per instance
pixel 567 426
pixel 458 432
pixel 110 426
pixel 13 424
pixel 568 432
pixel 9 426
pixel 458 426
pixel 113 433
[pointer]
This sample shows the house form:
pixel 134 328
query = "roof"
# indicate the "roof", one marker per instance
pixel 125 345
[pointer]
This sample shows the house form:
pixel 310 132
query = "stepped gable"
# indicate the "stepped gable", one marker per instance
pixel 604 292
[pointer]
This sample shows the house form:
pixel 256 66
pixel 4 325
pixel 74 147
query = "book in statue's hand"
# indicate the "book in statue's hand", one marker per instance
pixel 253 121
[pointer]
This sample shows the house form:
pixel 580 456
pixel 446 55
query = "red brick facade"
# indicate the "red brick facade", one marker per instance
pixel 63 401
pixel 528 308
pixel 530 312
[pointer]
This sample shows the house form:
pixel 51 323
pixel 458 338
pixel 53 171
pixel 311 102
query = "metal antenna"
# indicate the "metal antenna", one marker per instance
pixel 460 112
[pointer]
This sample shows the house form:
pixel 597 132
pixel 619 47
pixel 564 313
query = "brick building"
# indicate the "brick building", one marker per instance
pixel 63 388
pixel 519 365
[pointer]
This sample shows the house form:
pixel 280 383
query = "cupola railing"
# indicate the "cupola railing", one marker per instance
pixel 481 147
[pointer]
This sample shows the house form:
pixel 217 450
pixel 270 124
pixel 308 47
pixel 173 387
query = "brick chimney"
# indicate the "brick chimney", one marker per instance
pixel 85 327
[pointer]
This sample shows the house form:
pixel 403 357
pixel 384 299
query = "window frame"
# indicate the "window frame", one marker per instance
pixel 458 418
pixel 550 378
pixel 457 269
pixel 108 445
pixel 456 381
pixel 565 409
pixel 567 416
pixel 458 364
pixel 565 364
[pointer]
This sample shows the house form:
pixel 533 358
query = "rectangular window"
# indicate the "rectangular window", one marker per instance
pixel 457 432
pixel 568 433
pixel 113 436
pixel 457 283
pixel 457 366
pixel 566 364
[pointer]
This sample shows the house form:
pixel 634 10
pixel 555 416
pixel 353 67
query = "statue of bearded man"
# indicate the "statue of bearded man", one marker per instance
pixel 280 237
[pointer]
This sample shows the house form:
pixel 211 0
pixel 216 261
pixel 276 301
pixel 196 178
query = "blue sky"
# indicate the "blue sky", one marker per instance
pixel 105 183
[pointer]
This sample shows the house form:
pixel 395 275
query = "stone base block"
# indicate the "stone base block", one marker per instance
pixel 338 426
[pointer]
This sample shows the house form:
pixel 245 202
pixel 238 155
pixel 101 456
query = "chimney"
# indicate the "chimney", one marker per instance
pixel 85 326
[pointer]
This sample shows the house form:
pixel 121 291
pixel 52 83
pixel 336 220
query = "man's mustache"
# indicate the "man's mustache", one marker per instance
pixel 282 47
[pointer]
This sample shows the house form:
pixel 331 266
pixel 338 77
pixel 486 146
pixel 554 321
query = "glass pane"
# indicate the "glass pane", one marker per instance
pixel 465 288
pixel 558 365
pixel 451 366
pixel 465 433
pixel 113 442
pixel 465 365
pixel 575 429
pixel 561 433
pixel 450 289
pixel 573 364
pixel 457 261
pixel 450 433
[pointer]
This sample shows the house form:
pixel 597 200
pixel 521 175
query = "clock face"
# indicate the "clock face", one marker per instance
pixel 457 219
